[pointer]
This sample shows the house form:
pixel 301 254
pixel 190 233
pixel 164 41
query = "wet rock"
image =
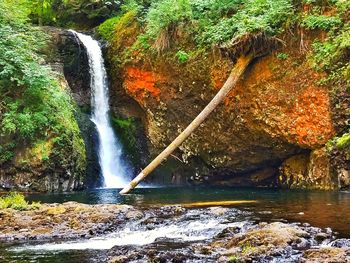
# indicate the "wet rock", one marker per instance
pixel 321 237
pixel 118 259
pixel 278 242
pixel 343 242
pixel 169 211
pixel 277 234
pixel 134 215
pixel 238 241
pixel 62 221
pixel 311 171
pixel 326 254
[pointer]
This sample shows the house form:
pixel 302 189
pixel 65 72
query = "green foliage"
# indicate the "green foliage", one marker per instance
pixel 215 22
pixel 33 104
pixel 343 141
pixel 282 56
pixel 233 259
pixel 73 13
pixel 166 14
pixel 16 201
pixel 248 17
pixel 6 152
pixel 321 22
pixel 43 12
pixel 182 56
pixel 331 55
pixel 106 29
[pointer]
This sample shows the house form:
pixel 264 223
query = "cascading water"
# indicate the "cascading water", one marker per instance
pixel 110 151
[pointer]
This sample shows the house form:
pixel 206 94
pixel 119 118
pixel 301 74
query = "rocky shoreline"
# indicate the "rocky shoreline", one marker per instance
pixel 232 235
pixel 69 220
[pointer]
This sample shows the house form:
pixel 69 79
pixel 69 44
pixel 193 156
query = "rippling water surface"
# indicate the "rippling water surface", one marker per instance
pixel 319 208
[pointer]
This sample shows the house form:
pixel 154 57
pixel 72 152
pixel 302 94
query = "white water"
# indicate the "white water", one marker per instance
pixel 185 231
pixel 110 151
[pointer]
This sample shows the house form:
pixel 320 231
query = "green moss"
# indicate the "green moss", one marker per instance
pixel 343 141
pixel 16 201
pixel 126 128
pixel 127 133
pixel 107 28
pixel 247 248
pixel 123 40
pixel 233 259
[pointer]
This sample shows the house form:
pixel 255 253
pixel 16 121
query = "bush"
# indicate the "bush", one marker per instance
pixel 331 55
pixel 282 56
pixel 215 22
pixel 252 16
pixel 165 15
pixel 321 22
pixel 106 29
pixel 33 104
pixel 182 56
pixel 16 201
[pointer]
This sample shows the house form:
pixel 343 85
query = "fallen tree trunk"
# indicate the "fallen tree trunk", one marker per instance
pixel 237 71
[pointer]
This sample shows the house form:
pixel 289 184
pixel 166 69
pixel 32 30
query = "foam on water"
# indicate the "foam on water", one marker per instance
pixel 184 231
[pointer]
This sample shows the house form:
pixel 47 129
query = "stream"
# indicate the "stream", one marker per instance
pixel 162 229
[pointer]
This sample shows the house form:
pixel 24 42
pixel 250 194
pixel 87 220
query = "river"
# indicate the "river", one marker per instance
pixel 318 208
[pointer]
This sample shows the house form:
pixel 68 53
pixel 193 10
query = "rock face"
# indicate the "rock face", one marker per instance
pixel 39 167
pixel 276 111
pixel 43 166
pixel 310 171
pixel 71 56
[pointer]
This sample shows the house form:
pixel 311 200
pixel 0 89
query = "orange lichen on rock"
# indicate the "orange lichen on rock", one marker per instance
pixel 141 84
pixel 219 72
pixel 312 125
pixel 282 100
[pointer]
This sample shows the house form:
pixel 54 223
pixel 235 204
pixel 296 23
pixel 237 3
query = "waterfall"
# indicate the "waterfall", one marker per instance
pixel 110 151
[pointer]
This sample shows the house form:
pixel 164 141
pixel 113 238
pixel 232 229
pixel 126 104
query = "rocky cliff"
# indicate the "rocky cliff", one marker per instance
pixel 54 160
pixel 272 129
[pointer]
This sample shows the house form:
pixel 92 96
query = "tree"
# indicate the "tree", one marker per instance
pixel 237 71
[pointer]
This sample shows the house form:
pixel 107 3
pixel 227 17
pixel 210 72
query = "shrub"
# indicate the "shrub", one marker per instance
pixel 166 14
pixel 282 56
pixel 182 56
pixel 251 17
pixel 106 29
pixel 33 104
pixel 331 55
pixel 214 22
pixel 164 18
pixel 321 22
pixel 16 201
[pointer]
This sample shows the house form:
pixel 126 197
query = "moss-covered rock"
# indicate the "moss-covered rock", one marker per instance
pixel 309 171
pixel 52 163
pixel 52 157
